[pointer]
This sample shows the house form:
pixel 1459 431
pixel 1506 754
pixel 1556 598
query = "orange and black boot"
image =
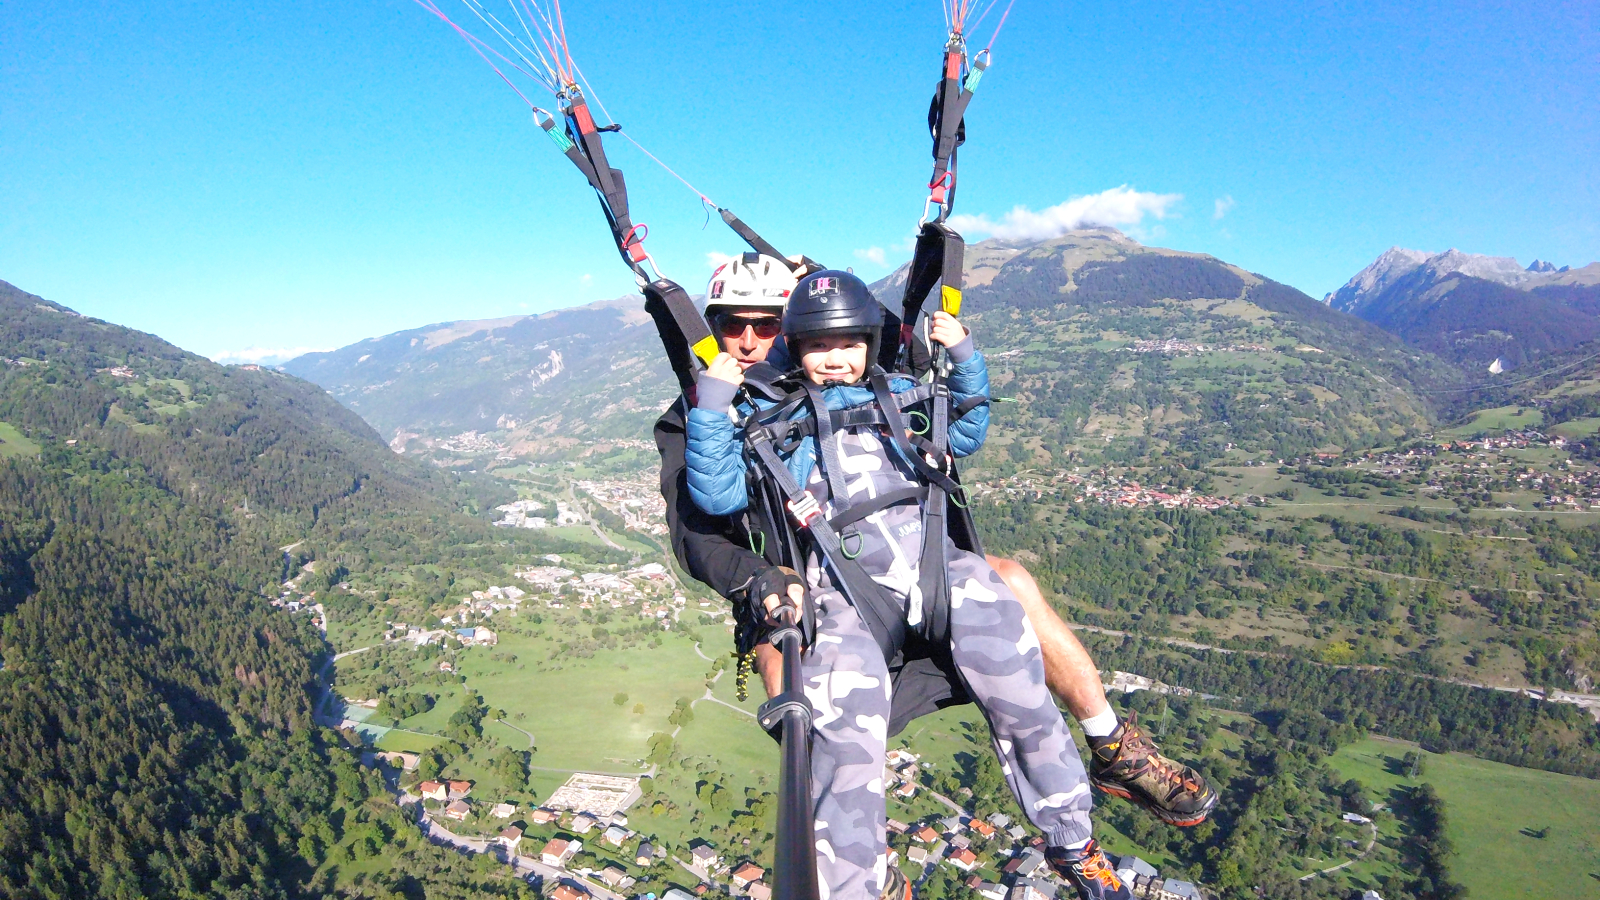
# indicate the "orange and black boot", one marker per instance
pixel 1088 870
pixel 895 885
pixel 1127 764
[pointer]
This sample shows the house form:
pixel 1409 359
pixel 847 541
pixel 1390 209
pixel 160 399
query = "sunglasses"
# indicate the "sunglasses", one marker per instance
pixel 765 327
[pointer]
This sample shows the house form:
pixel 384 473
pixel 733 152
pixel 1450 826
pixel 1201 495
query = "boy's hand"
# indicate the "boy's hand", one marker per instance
pixel 726 368
pixel 946 330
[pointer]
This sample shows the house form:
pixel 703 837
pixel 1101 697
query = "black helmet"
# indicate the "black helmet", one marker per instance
pixel 833 302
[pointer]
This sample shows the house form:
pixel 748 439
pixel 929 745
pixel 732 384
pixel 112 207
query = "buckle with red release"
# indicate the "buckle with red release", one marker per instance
pixel 804 509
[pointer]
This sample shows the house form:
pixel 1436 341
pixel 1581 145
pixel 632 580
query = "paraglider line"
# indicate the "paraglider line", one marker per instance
pixel 474 44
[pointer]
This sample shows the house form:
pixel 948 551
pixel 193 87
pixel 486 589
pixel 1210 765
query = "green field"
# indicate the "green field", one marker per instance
pixel 1503 418
pixel 12 442
pixel 1494 809
pixel 1576 428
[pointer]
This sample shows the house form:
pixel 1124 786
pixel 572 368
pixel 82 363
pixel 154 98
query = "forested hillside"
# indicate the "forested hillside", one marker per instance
pixel 157 738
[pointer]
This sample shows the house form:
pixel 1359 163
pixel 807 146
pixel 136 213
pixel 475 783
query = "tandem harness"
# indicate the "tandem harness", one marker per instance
pixel 786 508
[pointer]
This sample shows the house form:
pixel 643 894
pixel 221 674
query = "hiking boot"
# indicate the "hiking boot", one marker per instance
pixel 1088 870
pixel 1127 764
pixel 895 885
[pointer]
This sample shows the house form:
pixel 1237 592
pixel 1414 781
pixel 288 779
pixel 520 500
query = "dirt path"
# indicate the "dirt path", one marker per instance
pixel 1349 862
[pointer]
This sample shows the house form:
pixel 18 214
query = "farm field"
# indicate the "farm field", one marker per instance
pixel 1495 812
pixel 12 443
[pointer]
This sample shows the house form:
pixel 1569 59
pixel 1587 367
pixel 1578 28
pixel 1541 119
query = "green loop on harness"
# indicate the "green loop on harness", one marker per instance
pixel 861 544
pixel 751 539
pixel 959 498
pixel 973 77
pixel 927 424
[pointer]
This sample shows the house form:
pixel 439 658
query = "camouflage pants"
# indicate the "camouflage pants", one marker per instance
pixel 847 682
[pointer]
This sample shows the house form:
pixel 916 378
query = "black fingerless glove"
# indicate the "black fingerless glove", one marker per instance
pixel 768 581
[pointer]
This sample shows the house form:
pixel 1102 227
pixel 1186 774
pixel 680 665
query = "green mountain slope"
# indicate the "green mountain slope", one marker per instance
pixel 157 735
pixel 1116 351
pixel 535 382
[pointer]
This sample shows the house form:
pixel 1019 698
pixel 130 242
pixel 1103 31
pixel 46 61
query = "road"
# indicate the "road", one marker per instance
pixel 595 527
pixel 1349 862
pixel 1588 702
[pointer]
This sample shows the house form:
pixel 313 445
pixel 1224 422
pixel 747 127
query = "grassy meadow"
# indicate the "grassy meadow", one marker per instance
pixel 1496 814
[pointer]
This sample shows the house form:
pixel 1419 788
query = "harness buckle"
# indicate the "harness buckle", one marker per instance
pixel 805 510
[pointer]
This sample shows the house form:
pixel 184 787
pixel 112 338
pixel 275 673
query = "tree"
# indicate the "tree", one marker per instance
pixel 638 709
pixel 619 698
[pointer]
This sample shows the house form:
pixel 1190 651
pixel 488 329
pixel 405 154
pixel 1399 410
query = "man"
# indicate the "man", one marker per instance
pixel 744 305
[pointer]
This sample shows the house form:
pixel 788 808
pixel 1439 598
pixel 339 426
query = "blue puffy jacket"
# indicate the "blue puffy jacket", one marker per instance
pixel 716 464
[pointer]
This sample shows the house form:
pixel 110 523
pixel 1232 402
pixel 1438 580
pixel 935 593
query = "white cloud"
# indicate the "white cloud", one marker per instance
pixel 1119 207
pixel 1224 203
pixel 264 356
pixel 872 255
pixel 716 260
pixel 586 279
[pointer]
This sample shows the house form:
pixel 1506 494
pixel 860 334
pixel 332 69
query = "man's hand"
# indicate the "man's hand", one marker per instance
pixel 726 368
pixel 802 268
pixel 778 586
pixel 946 330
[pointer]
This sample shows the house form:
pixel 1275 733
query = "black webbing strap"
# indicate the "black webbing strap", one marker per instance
pixel 938 259
pixel 949 130
pixel 933 577
pixel 689 343
pixel 881 502
pixel 827 449
pixel 968 405
pixel 756 241
pixel 879 612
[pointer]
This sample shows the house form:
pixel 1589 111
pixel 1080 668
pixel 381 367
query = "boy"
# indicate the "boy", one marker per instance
pixel 831 325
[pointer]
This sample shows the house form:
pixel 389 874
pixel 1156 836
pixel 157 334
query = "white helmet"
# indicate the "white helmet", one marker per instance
pixel 751 280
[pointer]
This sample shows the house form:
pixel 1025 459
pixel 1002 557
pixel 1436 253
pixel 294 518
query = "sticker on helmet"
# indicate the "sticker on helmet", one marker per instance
pixel 716 289
pixel 828 285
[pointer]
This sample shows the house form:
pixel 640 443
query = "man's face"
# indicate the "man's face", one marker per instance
pixel 747 335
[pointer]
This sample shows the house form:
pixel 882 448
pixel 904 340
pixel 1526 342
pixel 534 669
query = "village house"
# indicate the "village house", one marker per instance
pixel 558 851
pixel 458 810
pixel 918 855
pixel 963 859
pixel 705 856
pixel 582 823
pixel 615 835
pixel 644 856
pixel 897 827
pixel 433 790
pixel 503 810
pixel 565 891
pixel 925 835
pixel 405 762
pixel 542 816
pixel 459 789
pixel 1025 863
pixel 614 875
pixel 982 828
pixel 510 837
pixel 758 890
pixel 988 890
pixel 745 874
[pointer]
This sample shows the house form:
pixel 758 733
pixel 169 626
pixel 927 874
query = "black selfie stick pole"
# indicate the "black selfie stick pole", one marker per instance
pixel 789 716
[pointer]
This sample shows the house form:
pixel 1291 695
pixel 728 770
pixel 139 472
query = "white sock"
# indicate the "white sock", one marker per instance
pixel 1078 845
pixel 1100 724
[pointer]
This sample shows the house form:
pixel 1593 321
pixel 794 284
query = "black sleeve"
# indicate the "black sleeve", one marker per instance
pixel 712 549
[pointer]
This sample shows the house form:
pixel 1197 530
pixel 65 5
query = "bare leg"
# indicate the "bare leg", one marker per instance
pixel 1068 670
pixel 769 662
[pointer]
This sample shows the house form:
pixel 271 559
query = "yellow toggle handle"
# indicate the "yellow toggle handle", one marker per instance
pixel 706 348
pixel 950 300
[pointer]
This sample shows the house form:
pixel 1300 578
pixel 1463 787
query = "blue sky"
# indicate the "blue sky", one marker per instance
pixel 298 175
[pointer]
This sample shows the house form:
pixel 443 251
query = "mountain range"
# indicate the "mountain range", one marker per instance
pixel 1109 345
pixel 1482 312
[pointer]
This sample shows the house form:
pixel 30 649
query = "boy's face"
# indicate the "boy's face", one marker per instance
pixel 833 357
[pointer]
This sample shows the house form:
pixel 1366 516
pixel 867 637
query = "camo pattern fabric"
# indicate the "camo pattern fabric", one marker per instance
pixel 847 681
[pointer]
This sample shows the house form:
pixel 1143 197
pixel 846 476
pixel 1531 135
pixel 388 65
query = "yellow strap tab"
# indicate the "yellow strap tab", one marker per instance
pixel 950 299
pixel 706 348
